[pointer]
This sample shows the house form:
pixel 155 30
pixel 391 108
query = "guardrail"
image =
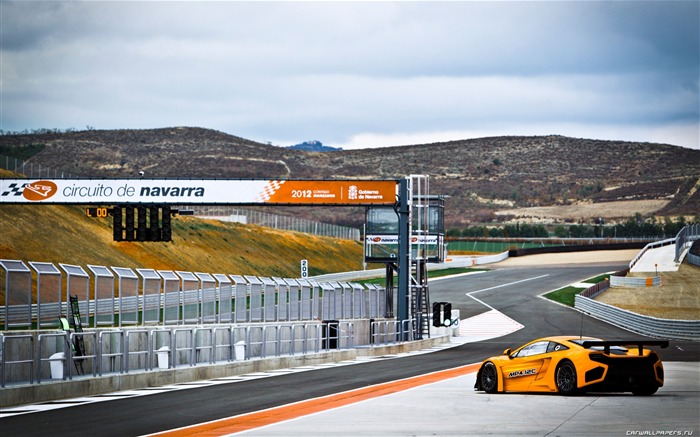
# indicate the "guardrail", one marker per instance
pixel 641 324
pixel 480 260
pixel 694 259
pixel 685 239
pixel 459 261
pixel 635 281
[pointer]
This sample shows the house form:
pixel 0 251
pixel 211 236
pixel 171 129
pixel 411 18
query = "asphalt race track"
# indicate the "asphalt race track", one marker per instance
pixel 513 291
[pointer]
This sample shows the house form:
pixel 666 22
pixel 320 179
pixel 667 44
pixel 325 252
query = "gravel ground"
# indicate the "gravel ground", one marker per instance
pixel 678 297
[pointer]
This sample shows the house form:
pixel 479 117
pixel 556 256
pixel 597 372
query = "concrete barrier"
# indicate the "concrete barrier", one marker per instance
pixel 635 281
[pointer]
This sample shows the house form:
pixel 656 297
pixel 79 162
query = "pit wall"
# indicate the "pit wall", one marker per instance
pixel 189 357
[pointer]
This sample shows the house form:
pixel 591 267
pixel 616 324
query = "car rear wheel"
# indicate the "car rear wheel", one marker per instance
pixel 489 378
pixel 565 378
pixel 645 391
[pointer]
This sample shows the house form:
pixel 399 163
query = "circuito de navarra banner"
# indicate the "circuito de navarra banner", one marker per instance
pixel 199 191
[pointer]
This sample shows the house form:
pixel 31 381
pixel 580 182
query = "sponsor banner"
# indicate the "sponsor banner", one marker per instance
pixel 394 239
pixel 198 191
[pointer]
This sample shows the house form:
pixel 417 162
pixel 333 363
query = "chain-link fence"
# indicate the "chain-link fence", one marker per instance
pixel 32 171
pixel 277 221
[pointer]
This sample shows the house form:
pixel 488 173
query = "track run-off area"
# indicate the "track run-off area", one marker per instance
pixel 427 392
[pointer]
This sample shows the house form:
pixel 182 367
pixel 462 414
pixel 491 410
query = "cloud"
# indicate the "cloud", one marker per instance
pixel 680 134
pixel 285 72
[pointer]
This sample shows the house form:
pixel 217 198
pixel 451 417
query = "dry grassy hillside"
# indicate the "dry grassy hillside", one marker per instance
pixel 482 177
pixel 64 234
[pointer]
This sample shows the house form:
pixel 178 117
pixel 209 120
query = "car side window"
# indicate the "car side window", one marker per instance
pixel 534 349
pixel 539 348
pixel 522 352
pixel 555 347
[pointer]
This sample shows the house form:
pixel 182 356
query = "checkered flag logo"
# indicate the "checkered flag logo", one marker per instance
pixel 14 189
pixel 269 190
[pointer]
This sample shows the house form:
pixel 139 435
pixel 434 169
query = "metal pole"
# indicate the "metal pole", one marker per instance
pixel 404 255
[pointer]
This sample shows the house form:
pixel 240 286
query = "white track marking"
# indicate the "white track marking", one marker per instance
pixel 490 324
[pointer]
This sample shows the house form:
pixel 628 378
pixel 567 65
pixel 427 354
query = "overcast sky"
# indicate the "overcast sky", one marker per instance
pixel 357 74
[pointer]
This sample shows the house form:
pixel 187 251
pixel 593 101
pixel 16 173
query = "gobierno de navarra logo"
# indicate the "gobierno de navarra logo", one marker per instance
pixel 39 190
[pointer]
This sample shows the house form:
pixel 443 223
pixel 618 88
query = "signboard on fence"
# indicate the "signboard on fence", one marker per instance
pixel 199 191
pixel 304 268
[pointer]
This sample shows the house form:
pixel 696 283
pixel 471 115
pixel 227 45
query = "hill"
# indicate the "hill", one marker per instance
pixel 482 177
pixel 314 146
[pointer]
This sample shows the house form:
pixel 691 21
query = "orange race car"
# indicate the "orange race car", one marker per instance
pixel 572 364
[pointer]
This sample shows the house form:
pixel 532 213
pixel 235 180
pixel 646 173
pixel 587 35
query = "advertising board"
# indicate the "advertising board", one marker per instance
pixel 199 191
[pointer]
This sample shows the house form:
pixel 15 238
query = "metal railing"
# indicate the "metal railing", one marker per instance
pixel 653 245
pixel 209 325
pixel 685 239
pixel 641 324
pixel 19 358
pixel 41 356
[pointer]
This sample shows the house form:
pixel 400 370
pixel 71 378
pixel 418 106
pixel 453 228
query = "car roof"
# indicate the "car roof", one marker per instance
pixel 564 339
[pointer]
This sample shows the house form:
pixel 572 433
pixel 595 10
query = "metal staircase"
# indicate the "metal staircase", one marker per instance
pixel 419 189
pixel 420 301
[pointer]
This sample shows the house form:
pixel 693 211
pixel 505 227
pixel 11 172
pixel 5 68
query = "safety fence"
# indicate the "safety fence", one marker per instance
pixel 459 261
pixel 531 245
pixel 276 221
pixel 30 170
pixel 594 290
pixel 639 323
pixel 36 298
pixel 33 357
pixel 683 240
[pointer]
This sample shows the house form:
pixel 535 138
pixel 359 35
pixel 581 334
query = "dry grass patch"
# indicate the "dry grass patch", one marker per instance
pixel 62 234
pixel 616 209
pixel 677 298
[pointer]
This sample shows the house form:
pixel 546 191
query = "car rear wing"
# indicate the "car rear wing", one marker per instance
pixel 638 343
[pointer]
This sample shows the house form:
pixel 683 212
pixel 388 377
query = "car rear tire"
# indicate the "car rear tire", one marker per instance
pixel 489 378
pixel 645 391
pixel 565 378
